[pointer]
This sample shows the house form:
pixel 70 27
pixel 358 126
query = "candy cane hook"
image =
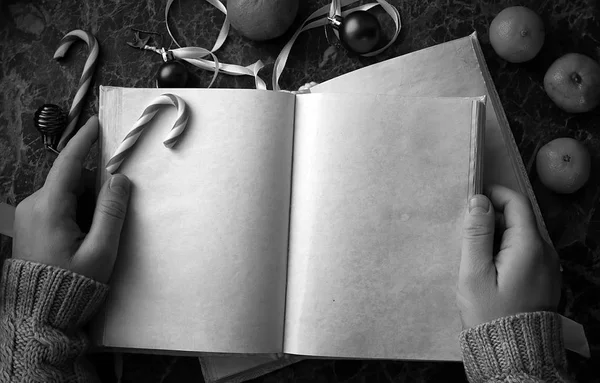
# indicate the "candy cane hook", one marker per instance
pixel 85 80
pixel 130 139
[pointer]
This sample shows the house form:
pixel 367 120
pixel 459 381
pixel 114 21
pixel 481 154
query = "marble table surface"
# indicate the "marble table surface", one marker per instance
pixel 30 31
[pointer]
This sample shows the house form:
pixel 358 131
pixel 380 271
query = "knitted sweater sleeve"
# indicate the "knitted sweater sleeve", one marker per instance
pixel 527 347
pixel 42 309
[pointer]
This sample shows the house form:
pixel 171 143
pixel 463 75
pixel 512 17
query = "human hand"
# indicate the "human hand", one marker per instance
pixel 520 274
pixel 46 230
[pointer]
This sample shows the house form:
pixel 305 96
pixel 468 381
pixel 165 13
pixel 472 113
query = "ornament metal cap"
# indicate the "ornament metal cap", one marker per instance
pixel 335 21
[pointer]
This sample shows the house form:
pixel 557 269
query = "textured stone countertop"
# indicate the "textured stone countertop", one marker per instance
pixel 30 32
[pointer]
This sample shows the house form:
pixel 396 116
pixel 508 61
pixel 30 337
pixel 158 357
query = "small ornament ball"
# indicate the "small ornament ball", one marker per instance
pixel 360 31
pixel 50 120
pixel 172 74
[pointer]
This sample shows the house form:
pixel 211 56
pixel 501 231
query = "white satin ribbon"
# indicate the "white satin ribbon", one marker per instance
pixel 196 55
pixel 319 18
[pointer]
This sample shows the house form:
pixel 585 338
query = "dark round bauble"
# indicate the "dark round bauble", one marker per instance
pixel 360 32
pixel 50 120
pixel 172 74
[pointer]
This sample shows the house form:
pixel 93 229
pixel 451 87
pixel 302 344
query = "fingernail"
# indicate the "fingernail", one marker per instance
pixel 119 184
pixel 479 205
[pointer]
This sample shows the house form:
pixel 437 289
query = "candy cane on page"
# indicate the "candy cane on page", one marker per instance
pixel 85 80
pixel 124 149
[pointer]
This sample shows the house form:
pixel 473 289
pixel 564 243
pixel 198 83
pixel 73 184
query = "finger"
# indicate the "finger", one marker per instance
pixel 65 175
pixel 99 249
pixel 477 261
pixel 521 244
pixel 514 206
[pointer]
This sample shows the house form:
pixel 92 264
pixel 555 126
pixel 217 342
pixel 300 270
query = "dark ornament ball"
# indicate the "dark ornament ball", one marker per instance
pixel 50 120
pixel 360 31
pixel 172 74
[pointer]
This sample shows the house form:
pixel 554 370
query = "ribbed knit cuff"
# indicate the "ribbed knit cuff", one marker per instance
pixel 49 295
pixel 526 344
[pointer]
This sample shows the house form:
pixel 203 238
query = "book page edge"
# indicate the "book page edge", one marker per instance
pixel 104 105
pixel 476 147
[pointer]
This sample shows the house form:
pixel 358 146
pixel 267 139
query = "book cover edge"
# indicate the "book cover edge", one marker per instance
pixel 509 139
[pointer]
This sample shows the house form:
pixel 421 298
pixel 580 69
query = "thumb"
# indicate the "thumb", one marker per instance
pixel 478 238
pixel 99 249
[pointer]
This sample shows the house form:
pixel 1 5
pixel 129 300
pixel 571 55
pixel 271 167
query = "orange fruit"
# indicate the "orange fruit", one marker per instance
pixel 262 19
pixel 573 83
pixel 563 165
pixel 517 34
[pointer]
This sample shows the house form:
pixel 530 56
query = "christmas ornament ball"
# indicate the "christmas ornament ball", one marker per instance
pixel 360 31
pixel 172 74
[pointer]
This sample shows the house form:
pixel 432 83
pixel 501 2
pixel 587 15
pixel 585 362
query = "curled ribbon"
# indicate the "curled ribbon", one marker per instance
pixel 195 55
pixel 318 19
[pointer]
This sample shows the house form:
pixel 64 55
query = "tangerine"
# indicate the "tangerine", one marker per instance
pixel 517 34
pixel 573 83
pixel 563 165
pixel 262 19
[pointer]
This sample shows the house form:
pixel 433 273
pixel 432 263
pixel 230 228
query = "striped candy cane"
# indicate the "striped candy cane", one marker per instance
pixel 84 81
pixel 130 139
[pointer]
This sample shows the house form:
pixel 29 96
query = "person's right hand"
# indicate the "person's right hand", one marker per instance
pixel 522 276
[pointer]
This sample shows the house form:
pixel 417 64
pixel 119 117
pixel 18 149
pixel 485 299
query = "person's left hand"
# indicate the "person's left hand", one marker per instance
pixel 46 230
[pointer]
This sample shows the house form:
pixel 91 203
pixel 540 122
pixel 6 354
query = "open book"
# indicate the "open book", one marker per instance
pixel 325 225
